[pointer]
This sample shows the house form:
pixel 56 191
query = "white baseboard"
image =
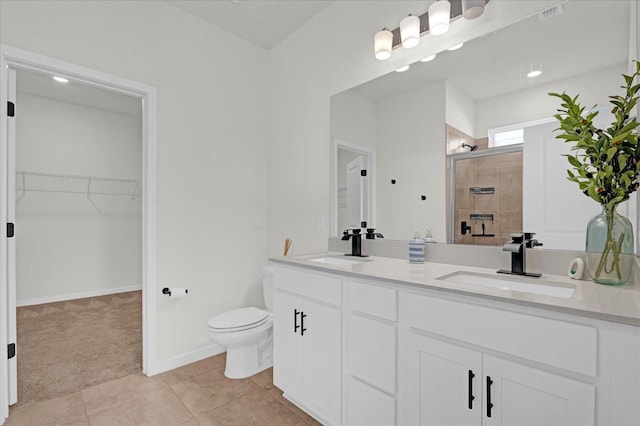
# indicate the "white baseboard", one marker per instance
pixel 82 295
pixel 187 358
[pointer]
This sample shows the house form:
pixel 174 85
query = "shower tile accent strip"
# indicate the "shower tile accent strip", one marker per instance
pixel 477 190
pixel 478 216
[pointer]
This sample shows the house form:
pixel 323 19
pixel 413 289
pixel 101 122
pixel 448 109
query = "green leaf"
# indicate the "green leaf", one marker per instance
pixel 573 161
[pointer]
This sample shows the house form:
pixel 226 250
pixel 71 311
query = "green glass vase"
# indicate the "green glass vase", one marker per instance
pixel 610 247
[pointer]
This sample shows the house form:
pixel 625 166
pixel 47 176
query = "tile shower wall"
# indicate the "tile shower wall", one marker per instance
pixel 503 173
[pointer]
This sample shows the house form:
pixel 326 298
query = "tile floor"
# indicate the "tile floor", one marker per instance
pixel 196 394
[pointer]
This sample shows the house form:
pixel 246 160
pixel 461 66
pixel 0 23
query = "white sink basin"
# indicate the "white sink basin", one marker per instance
pixel 511 283
pixel 340 261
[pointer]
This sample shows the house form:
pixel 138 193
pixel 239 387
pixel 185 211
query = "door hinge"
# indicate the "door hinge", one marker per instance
pixel 363 173
pixel 10 230
pixel 11 349
pixel 11 109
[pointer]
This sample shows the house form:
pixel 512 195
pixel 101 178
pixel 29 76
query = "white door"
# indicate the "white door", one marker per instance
pixel 524 396
pixel 553 207
pixel 443 383
pixel 356 192
pixel 287 356
pixel 11 242
pixel 322 361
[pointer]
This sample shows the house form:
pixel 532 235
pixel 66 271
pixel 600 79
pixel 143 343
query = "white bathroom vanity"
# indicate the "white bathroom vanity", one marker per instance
pixel 385 342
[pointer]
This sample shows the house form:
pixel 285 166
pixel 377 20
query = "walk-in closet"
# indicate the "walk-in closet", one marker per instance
pixel 78 235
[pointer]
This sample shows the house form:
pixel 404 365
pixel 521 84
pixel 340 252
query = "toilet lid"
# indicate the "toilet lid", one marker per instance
pixel 238 318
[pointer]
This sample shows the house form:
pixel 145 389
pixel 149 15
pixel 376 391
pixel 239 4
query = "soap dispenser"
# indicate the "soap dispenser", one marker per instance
pixel 416 248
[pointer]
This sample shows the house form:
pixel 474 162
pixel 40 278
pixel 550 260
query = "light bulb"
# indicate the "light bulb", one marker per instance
pixel 439 17
pixel 428 58
pixel 402 69
pixel 383 43
pixel 410 31
pixel 471 9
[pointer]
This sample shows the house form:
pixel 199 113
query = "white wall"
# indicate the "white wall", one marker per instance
pixel 331 53
pixel 354 119
pixel 535 104
pixel 411 135
pixel 212 137
pixel 460 110
pixel 65 246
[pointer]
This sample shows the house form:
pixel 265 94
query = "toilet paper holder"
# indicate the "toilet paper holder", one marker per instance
pixel 167 291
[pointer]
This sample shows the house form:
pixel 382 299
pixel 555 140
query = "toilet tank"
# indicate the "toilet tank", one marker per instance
pixel 267 286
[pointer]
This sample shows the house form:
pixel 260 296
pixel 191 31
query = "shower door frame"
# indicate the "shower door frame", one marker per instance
pixel 452 159
pixel 13 58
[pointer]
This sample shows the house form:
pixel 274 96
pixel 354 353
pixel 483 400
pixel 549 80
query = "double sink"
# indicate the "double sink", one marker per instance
pixel 511 283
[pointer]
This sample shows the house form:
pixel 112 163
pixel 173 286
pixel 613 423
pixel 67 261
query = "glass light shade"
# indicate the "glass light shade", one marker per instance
pixel 471 9
pixel 383 43
pixel 428 58
pixel 456 47
pixel 403 69
pixel 410 31
pixel 439 17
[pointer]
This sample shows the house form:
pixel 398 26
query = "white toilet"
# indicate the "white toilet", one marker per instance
pixel 247 333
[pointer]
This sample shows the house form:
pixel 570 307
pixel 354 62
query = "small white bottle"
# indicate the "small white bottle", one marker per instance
pixel 416 248
pixel 428 237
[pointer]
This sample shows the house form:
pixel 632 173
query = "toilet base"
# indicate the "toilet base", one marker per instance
pixel 245 361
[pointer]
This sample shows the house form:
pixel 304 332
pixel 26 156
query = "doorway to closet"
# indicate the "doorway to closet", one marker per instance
pixel 78 249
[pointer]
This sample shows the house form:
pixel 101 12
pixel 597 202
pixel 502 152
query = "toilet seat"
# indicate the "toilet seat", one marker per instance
pixel 238 319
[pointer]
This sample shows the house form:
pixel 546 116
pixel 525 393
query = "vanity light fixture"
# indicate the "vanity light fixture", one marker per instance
pixel 439 17
pixel 402 69
pixel 456 46
pixel 471 9
pixel 435 21
pixel 60 79
pixel 383 43
pixel 428 58
pixel 410 31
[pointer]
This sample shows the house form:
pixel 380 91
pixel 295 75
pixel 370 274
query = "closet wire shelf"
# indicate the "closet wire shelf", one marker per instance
pixel 75 184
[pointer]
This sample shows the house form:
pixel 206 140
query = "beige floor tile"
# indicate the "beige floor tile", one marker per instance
pixel 194 369
pixel 67 409
pixel 265 411
pixel 210 390
pixel 155 408
pixel 110 394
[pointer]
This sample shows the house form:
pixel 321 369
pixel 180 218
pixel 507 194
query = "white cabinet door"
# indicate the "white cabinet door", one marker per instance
pixel 524 396
pixel 287 344
pixel 321 361
pixel 442 383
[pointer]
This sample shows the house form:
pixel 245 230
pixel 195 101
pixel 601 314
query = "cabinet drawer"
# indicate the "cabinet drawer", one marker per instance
pixel 371 351
pixel 367 406
pixel 316 286
pixel 557 343
pixel 373 300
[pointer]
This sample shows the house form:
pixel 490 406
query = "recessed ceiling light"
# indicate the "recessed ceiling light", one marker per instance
pixel 534 73
pixel 428 58
pixel 403 69
pixel 60 79
pixel 456 47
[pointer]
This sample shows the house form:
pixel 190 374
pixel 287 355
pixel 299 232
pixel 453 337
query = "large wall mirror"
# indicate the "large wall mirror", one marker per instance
pixel 429 129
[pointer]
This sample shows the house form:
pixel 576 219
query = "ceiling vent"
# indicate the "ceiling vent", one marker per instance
pixel 550 12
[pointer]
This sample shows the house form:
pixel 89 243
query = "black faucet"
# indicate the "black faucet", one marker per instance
pixel 356 242
pixel 371 235
pixel 517 246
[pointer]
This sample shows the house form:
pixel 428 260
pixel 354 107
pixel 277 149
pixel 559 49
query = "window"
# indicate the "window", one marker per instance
pixel 506 136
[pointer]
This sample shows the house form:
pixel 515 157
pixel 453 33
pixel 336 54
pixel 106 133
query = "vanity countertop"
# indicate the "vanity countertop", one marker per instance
pixel 617 304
